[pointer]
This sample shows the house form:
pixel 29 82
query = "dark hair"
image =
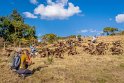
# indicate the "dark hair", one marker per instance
pixel 27 52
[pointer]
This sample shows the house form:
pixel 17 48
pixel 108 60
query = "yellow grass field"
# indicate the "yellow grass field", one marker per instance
pixel 81 68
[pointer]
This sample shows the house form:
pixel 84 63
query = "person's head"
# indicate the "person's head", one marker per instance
pixel 33 45
pixel 25 51
pixel 19 50
pixel 22 52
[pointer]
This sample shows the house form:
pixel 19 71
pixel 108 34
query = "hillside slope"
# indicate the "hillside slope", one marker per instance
pixel 81 68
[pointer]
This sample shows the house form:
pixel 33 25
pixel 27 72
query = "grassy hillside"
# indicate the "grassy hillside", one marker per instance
pixel 81 68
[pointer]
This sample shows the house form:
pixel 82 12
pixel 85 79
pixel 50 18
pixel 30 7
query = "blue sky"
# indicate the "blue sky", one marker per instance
pixel 67 17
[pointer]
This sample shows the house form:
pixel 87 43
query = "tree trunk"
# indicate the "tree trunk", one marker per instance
pixel 15 40
pixel 14 44
pixel 19 44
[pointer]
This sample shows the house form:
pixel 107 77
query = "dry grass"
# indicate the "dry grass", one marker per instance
pixel 81 68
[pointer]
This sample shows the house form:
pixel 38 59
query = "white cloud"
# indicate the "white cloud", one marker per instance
pixel 62 1
pixel 29 15
pixel 33 1
pixel 59 9
pixel 56 11
pixel 89 31
pixel 49 2
pixel 119 18
pixel 84 31
pixel 94 31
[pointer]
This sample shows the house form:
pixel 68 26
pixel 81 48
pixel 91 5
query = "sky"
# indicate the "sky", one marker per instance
pixel 68 17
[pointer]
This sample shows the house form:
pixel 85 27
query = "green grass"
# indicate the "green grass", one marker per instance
pixel 101 80
pixel 49 60
pixel 122 65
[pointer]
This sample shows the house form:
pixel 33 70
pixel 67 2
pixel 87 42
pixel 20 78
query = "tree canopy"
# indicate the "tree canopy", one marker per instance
pixel 49 38
pixel 110 30
pixel 13 28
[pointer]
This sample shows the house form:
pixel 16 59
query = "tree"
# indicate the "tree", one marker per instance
pixel 17 26
pixel 4 27
pixel 113 31
pixel 73 36
pixel 79 36
pixel 49 38
pixel 16 16
pixel 14 38
pixel 13 29
pixel 110 30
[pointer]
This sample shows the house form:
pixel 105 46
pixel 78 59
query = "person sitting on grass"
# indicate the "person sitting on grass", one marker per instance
pixel 25 62
pixel 33 50
pixel 94 39
pixel 15 60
